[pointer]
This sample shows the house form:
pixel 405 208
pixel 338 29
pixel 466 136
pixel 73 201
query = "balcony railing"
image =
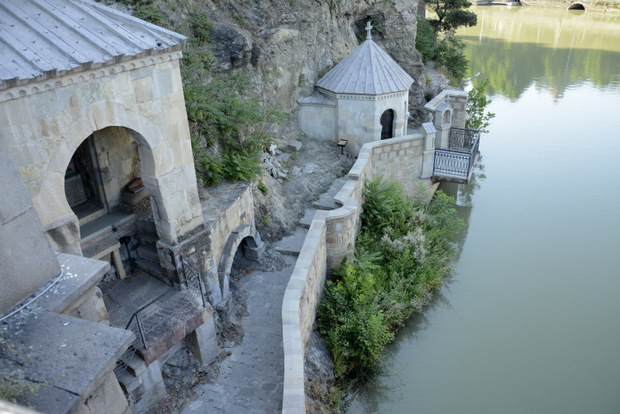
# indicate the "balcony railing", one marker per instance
pixel 456 162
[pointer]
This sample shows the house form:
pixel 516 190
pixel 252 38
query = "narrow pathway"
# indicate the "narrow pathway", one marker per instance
pixel 251 377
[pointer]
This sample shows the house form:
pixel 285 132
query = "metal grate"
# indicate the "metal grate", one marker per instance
pixel 462 139
pixel 158 317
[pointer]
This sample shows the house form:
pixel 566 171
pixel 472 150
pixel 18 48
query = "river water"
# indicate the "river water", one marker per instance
pixel 529 321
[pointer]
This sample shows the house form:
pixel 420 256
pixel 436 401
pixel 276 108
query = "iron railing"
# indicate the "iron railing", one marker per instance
pixel 462 139
pixel 153 319
pixel 452 163
pixel 458 160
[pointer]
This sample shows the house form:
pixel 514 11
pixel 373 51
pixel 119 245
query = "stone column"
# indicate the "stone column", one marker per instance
pixel 428 153
pixel 28 261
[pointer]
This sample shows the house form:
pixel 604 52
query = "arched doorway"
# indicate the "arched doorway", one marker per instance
pixel 387 124
pixel 104 189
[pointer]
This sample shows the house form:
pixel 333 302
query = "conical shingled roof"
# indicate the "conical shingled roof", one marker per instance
pixel 368 70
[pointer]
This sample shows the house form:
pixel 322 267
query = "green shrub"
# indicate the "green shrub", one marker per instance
pixel 225 119
pixel 144 9
pixel 425 40
pixel 402 252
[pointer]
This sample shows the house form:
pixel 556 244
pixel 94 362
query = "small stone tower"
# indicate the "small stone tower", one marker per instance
pixel 364 98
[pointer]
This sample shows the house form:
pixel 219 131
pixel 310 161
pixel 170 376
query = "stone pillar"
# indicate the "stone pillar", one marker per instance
pixel 428 153
pixel 459 105
pixel 28 261
pixel 203 340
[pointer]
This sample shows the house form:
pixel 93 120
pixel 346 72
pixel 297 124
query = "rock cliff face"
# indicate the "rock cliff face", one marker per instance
pixel 290 44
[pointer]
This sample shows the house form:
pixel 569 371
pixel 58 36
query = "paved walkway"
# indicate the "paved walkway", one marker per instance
pixel 250 379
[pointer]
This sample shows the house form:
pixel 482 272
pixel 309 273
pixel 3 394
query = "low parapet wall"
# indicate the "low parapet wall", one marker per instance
pixel 330 238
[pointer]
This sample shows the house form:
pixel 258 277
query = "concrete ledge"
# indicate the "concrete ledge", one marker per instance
pixel 87 352
pixel 79 275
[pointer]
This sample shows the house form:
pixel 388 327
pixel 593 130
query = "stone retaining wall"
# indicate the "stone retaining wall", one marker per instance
pixel 330 238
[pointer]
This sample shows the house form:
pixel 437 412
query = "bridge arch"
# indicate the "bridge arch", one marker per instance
pixel 249 239
pixel 577 5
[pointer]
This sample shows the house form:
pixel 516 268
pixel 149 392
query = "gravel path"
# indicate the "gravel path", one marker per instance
pixel 251 377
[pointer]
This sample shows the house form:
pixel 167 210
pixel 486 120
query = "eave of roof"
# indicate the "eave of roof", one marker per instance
pixel 42 39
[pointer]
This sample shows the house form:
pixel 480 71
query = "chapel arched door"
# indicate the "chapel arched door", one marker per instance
pixel 387 124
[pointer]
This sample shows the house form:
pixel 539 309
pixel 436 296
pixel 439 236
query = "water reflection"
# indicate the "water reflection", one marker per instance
pixel 558 49
pixel 528 322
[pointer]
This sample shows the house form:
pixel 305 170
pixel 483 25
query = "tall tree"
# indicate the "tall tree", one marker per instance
pixel 451 14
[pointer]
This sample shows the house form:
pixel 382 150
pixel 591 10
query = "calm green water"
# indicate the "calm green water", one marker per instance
pixel 530 320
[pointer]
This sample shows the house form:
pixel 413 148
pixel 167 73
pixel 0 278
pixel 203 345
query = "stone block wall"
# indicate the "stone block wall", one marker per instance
pixel 318 121
pixel 298 311
pixel 400 160
pixel 45 122
pixel 330 238
pixel 359 117
pixel 118 162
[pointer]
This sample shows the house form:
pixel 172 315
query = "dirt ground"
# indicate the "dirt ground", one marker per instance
pixel 309 173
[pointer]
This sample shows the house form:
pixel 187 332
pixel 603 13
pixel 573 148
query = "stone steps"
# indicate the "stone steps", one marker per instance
pixel 291 245
pixel 148 253
pixel 306 220
pixel 326 200
pixel 148 239
pixel 151 268
pixel 146 225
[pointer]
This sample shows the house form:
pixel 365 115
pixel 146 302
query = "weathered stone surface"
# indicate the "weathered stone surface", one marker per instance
pixel 86 351
pixel 80 276
pixel 287 44
pixel 25 253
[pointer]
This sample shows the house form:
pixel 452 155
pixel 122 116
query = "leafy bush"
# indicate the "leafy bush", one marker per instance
pixel 447 53
pixel 229 125
pixel 402 252
pixel 144 9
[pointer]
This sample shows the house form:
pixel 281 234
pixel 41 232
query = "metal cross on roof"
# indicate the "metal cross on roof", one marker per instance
pixel 368 29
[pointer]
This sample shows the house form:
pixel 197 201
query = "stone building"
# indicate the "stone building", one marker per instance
pixel 364 98
pixel 96 157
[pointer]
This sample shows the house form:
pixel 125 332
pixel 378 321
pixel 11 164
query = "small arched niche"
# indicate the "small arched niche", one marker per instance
pixel 387 124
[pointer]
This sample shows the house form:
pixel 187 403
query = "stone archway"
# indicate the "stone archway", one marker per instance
pixel 167 173
pixel 246 237
pixel 387 124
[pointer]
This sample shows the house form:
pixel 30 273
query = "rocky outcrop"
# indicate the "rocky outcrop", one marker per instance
pixel 289 44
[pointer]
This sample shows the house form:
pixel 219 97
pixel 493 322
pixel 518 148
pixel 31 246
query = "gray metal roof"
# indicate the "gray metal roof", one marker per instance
pixel 368 70
pixel 40 39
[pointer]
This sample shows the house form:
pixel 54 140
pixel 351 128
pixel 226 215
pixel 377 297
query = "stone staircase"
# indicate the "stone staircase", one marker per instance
pixel 292 245
pixel 148 258
pixel 326 200
pixel 142 384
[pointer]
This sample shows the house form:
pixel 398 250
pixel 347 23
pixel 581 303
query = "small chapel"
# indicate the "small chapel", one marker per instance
pixel 363 98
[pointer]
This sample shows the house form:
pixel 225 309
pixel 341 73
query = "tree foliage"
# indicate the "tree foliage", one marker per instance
pixel 451 14
pixel 477 102
pixel 447 52
pixel 229 124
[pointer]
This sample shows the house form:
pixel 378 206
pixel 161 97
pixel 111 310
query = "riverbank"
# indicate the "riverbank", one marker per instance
pixel 613 6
